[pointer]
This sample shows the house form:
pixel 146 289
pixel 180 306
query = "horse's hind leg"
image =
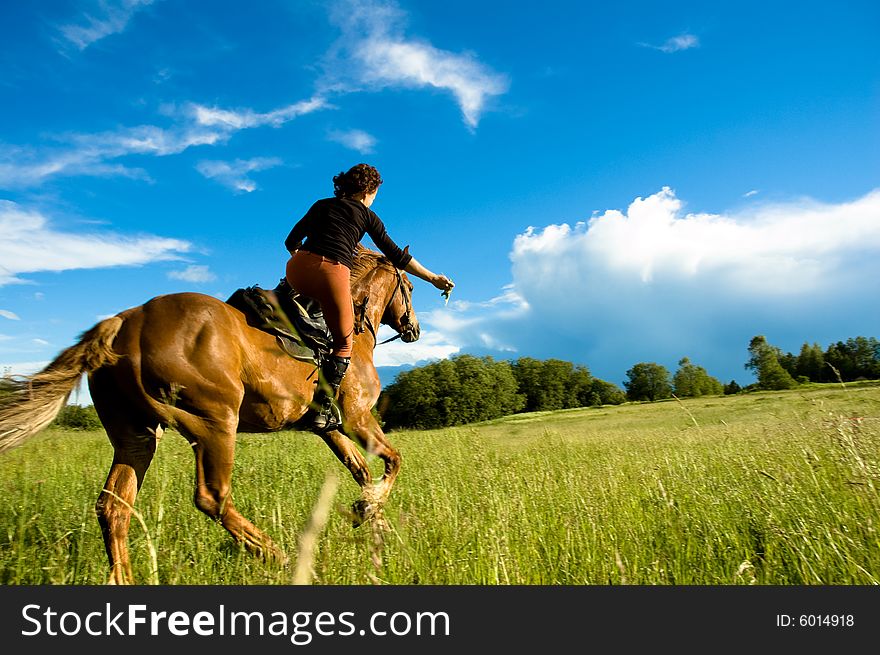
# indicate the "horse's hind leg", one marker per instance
pixel 214 453
pixel 131 459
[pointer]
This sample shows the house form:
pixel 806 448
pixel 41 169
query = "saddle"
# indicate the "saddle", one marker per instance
pixel 296 320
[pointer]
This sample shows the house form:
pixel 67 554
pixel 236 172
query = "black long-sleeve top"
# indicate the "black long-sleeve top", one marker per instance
pixel 333 228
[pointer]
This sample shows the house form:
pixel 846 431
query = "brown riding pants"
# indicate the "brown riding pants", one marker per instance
pixel 328 282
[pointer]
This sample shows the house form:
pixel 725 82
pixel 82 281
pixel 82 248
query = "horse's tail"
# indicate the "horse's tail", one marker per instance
pixel 29 404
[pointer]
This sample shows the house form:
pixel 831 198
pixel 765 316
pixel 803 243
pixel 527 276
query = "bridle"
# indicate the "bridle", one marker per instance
pixel 406 322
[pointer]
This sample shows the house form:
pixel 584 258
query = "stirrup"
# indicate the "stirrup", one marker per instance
pixel 332 370
pixel 329 417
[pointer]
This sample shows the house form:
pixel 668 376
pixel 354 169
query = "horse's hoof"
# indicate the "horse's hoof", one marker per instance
pixel 271 554
pixel 361 511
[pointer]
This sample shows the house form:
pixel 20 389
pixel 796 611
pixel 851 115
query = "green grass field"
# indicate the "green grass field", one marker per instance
pixel 778 488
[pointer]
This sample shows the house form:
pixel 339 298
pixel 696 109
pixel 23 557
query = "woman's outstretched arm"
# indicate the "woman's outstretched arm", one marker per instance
pixel 440 281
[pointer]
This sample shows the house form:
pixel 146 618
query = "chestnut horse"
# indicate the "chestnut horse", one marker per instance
pixel 193 363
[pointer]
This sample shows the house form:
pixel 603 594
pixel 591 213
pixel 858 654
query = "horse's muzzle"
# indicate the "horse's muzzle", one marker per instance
pixel 410 333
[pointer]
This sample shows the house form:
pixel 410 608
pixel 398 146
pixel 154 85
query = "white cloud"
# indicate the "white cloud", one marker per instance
pixel 767 251
pixel 431 345
pixel 12 316
pixel 358 140
pixel 194 274
pixel 654 283
pixel 676 43
pixel 29 244
pixel 40 342
pixel 380 55
pixel 109 17
pixel 234 174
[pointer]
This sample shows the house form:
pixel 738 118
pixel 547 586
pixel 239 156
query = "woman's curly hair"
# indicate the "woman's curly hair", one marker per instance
pixel 361 178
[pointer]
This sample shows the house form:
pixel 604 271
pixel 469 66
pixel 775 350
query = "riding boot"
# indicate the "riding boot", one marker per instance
pixel 329 416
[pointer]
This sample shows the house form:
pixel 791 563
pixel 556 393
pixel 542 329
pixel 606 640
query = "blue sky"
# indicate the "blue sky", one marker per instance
pixel 605 184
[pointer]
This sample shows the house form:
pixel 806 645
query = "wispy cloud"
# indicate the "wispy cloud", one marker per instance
pixel 234 174
pixel 97 154
pixel 193 273
pixel 30 245
pixel 472 324
pixel 358 140
pixel 379 55
pixel 238 119
pixel 12 316
pixel 749 194
pixel 676 43
pixel 107 17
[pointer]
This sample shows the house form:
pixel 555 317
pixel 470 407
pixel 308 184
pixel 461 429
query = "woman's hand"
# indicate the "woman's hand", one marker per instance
pixel 442 282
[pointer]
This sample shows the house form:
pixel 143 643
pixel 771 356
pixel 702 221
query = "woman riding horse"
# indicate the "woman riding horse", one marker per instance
pixel 321 268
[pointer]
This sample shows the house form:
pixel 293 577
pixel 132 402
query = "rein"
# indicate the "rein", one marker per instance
pixel 362 318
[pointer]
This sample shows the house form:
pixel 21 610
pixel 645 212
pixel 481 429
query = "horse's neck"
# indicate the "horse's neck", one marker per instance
pixel 377 287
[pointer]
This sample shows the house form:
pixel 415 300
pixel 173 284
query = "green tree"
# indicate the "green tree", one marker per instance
pixel 528 373
pixel 691 380
pixel 811 362
pixel 582 386
pixel 648 381
pixel 857 357
pixel 486 390
pixel 788 361
pixel 764 362
pixel 77 417
pixel 7 387
pixel 552 384
pixel 455 391
pixel 413 399
pixel 605 393
pixel 731 388
pixel 555 388
pixel 509 399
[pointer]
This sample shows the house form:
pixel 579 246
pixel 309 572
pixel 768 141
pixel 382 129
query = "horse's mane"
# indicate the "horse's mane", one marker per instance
pixel 366 260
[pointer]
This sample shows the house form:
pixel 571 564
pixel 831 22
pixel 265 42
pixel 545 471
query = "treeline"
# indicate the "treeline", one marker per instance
pixel 857 358
pixel 467 389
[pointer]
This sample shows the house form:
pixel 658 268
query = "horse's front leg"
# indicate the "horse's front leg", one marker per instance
pixel 347 453
pixel 371 437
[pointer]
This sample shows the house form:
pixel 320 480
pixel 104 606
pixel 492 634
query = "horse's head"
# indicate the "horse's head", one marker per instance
pixel 399 312
pixel 378 283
